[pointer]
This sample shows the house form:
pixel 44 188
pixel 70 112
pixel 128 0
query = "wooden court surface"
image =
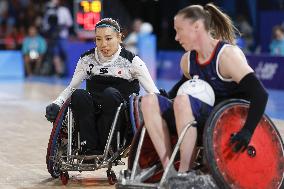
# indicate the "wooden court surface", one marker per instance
pixel 24 136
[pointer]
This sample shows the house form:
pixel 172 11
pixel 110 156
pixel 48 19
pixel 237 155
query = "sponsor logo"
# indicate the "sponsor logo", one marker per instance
pixel 266 71
pixel 103 70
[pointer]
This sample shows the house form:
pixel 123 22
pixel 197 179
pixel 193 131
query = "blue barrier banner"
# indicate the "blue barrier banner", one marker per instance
pixel 268 19
pixel 75 49
pixel 169 65
pixel 11 65
pixel 269 69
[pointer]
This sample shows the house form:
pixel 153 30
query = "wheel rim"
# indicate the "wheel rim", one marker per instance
pixel 54 144
pixel 244 170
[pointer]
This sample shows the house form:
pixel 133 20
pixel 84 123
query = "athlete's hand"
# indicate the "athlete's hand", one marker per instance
pixel 164 93
pixel 51 112
pixel 240 140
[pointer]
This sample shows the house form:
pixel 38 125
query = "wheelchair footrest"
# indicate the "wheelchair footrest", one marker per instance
pixel 133 185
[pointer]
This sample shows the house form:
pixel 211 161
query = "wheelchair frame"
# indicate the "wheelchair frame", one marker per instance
pixel 137 177
pixel 63 157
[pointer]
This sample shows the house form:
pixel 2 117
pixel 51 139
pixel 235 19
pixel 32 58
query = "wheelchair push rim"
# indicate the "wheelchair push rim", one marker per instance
pixel 54 142
pixel 261 165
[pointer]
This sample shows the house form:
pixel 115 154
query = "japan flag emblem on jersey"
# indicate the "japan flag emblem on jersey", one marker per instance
pixel 119 72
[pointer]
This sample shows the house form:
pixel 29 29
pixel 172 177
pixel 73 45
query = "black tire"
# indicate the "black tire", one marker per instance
pixel 55 147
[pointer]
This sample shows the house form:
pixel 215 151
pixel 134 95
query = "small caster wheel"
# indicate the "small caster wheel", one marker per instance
pixel 64 176
pixel 111 177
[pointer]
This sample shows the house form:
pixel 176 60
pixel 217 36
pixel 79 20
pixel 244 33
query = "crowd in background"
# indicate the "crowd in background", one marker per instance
pixel 30 26
pixel 40 30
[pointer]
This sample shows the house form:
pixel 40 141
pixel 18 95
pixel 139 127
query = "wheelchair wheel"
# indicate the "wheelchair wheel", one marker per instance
pixel 148 156
pixel 56 146
pixel 260 166
pixel 135 116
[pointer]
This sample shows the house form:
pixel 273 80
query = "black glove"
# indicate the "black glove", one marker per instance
pixel 163 92
pixel 51 112
pixel 241 140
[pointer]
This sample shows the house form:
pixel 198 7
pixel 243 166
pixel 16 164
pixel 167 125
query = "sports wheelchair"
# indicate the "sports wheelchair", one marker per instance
pixel 63 151
pixel 261 166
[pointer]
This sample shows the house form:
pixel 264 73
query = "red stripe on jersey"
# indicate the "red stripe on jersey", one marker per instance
pixel 210 59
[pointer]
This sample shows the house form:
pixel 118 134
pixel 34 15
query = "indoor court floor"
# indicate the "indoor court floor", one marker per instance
pixel 24 134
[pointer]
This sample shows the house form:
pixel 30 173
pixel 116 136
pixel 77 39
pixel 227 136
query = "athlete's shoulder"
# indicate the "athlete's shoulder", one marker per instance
pixel 91 51
pixel 184 63
pixel 185 57
pixel 126 54
pixel 230 50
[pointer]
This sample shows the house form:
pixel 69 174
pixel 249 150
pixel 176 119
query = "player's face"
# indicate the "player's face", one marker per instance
pixel 107 41
pixel 185 32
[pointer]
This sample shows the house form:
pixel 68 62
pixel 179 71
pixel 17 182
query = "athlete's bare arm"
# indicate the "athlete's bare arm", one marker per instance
pixel 233 64
pixel 184 65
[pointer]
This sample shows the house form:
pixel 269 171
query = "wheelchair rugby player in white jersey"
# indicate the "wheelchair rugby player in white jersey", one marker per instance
pixel 112 74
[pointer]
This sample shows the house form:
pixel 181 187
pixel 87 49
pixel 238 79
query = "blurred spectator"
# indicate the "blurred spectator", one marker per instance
pixel 130 41
pixel 277 44
pixel 3 10
pixel 3 32
pixel 34 48
pixel 14 38
pixel 33 12
pixel 246 39
pixel 56 24
pixel 146 28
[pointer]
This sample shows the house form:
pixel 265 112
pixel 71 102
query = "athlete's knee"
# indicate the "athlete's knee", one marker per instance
pixel 181 102
pixel 110 91
pixel 112 95
pixel 148 101
pixel 78 93
pixel 80 98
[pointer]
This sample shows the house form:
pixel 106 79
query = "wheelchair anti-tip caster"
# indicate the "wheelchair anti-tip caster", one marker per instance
pixel 64 176
pixel 111 177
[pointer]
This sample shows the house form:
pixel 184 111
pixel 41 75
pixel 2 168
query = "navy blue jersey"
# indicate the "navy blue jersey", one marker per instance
pixel 223 88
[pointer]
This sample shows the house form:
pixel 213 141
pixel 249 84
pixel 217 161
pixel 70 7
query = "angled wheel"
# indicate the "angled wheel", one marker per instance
pixel 260 166
pixel 135 114
pixel 148 156
pixel 56 144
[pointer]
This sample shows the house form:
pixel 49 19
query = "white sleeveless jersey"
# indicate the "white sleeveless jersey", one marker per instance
pixel 124 64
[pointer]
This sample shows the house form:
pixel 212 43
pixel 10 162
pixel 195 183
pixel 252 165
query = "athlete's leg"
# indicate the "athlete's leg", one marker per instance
pixel 82 106
pixel 28 65
pixel 184 115
pixel 156 127
pixel 111 100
